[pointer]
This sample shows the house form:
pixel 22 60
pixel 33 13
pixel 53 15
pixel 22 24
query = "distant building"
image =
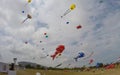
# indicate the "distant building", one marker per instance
pixel 4 67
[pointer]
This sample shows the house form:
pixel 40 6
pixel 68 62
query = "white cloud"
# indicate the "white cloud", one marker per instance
pixel 99 32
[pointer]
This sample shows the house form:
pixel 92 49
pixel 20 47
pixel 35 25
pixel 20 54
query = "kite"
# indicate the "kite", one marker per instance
pixel 97 65
pixel 29 1
pixel 45 33
pixel 26 42
pixel 68 65
pixel 42 48
pixel 58 51
pixel 80 55
pixel 23 11
pixel 111 66
pixel 72 7
pixel 79 26
pixel 40 41
pixel 58 65
pixel 91 61
pixel 46 36
pixel 28 17
pixel 67 22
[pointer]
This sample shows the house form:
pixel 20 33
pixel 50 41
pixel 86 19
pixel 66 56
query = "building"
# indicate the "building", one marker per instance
pixel 4 67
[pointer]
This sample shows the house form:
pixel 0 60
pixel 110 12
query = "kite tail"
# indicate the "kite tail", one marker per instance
pixel 53 56
pixel 24 20
pixel 67 11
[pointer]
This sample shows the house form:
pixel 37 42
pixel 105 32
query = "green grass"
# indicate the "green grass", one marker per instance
pixel 58 72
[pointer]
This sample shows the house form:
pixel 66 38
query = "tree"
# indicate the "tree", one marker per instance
pixel 29 66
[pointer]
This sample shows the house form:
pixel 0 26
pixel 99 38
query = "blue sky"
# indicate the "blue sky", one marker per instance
pixel 99 33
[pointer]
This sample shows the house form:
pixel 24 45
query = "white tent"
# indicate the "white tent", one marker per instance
pixel 4 67
pixel 38 73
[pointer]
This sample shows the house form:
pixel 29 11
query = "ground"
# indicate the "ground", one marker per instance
pixel 65 72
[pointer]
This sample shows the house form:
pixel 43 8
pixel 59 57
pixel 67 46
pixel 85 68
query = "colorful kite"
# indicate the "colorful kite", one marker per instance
pixel 98 65
pixel 72 7
pixel 79 26
pixel 59 50
pixel 46 36
pixel 111 66
pixel 80 55
pixel 45 33
pixel 91 61
pixel 29 1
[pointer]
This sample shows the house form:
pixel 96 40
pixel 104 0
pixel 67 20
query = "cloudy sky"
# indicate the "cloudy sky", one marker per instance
pixel 100 32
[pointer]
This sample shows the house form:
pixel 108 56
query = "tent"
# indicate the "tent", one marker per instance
pixel 4 67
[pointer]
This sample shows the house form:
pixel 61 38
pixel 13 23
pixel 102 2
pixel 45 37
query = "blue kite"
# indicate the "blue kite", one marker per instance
pixel 80 55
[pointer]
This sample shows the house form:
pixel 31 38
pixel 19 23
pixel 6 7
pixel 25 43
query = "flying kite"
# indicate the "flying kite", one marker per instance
pixel 58 51
pixel 91 61
pixel 97 65
pixel 28 1
pixel 111 66
pixel 28 17
pixel 79 26
pixel 72 7
pixel 40 41
pixel 23 11
pixel 46 36
pixel 68 65
pixel 67 22
pixel 26 42
pixel 80 55
pixel 42 48
pixel 45 33
pixel 58 65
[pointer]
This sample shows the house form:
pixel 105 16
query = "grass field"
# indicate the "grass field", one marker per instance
pixel 52 72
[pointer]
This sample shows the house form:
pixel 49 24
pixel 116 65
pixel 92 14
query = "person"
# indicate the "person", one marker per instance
pixel 12 66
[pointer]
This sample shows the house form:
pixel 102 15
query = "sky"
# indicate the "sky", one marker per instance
pixel 100 31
